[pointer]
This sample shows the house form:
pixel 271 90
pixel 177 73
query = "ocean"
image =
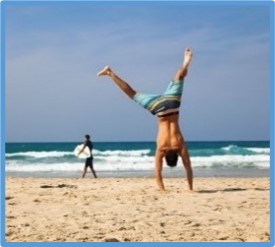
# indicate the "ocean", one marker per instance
pixel 136 159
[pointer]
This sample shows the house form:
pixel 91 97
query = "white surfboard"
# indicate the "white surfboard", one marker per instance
pixel 83 155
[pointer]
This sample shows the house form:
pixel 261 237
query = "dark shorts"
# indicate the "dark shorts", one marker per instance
pixel 89 162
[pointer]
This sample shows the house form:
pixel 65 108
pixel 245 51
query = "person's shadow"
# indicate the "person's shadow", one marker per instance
pixel 228 190
pixel 58 186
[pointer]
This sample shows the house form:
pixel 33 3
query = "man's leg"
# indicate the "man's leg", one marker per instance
pixel 182 72
pixel 84 171
pixel 93 170
pixel 124 86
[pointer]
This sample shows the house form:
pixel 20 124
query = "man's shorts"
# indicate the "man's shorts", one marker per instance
pixel 162 105
pixel 89 162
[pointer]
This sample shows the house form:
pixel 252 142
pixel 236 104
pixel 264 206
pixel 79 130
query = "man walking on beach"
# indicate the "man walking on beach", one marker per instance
pixel 89 161
pixel 170 141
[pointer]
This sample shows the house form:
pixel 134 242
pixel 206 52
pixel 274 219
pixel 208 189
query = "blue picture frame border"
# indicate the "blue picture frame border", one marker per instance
pixel 5 4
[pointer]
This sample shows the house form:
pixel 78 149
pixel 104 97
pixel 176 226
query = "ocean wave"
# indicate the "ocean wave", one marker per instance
pixel 127 153
pixel 234 149
pixel 260 161
pixel 228 150
pixel 55 154
pixel 143 163
pixel 39 154
pixel 260 150
pixel 69 167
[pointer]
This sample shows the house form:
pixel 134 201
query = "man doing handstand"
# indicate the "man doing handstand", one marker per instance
pixel 170 141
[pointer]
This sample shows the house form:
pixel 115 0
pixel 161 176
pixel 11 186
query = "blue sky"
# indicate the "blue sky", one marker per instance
pixel 53 53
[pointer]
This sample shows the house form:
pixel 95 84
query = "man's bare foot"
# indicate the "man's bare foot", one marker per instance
pixel 187 57
pixel 106 71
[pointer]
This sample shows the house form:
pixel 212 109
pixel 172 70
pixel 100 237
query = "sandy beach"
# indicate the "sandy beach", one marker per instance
pixel 131 209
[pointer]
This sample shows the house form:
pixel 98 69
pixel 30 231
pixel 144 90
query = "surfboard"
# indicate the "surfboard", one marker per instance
pixel 83 155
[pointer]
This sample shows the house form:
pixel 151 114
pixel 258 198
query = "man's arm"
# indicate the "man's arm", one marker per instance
pixel 158 169
pixel 187 165
pixel 85 144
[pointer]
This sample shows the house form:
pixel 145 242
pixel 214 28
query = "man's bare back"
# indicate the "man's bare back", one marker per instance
pixel 169 134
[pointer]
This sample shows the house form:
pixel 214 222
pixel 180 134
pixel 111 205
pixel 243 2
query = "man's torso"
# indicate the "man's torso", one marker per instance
pixel 169 134
pixel 89 144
